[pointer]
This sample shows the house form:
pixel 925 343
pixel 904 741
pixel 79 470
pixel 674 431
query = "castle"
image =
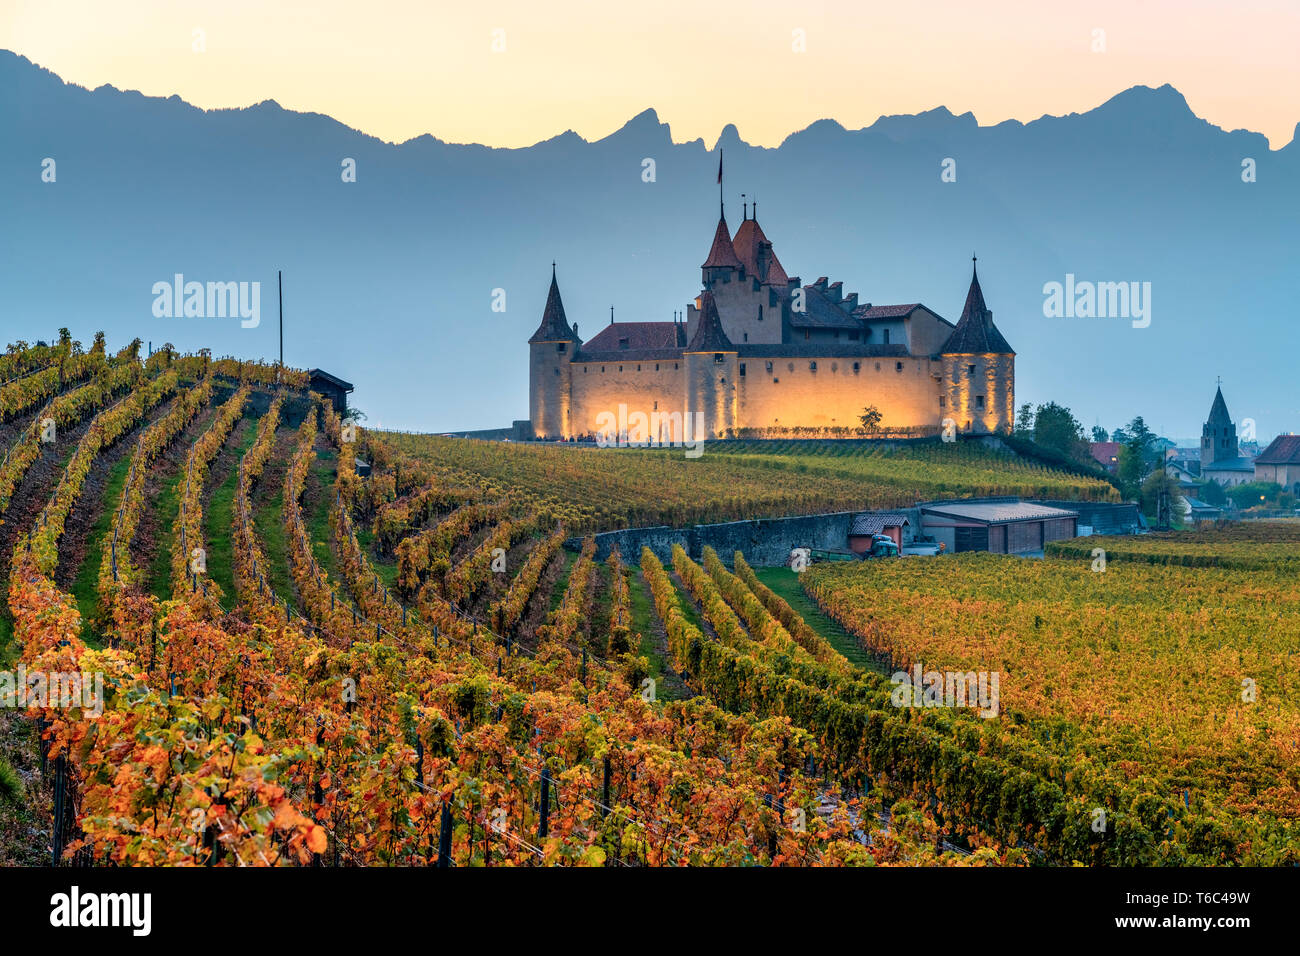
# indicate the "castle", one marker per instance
pixel 759 352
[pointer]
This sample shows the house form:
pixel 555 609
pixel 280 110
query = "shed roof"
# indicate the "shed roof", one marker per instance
pixel 996 512
pixel 876 523
pixel 318 373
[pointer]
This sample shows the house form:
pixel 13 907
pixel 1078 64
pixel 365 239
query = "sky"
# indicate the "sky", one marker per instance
pixel 516 72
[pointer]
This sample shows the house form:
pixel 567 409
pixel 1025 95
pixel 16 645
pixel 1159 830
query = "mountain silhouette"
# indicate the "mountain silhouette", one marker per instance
pixel 390 281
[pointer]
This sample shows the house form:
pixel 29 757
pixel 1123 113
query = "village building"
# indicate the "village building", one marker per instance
pixel 1280 463
pixel 759 352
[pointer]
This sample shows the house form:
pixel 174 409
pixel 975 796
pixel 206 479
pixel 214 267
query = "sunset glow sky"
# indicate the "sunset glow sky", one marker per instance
pixel 401 69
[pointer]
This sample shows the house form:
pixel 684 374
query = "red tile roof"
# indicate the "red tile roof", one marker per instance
pixel 633 336
pixel 722 253
pixel 747 242
pixel 1282 450
pixel 1106 452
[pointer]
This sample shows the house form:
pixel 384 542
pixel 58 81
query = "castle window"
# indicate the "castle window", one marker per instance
pixel 602 370
pixel 979 401
pixel 620 368
pixel 622 343
pixel 970 369
pixel 857 367
pixel 656 408
pixel 812 366
pixel 656 366
pixel 742 369
pixel 760 312
pixel 638 366
pixel 717 358
pixel 898 366
pixel 560 347
pixel 769 367
pixel 877 366
pixel 746 336
pixel 790 366
pixel 557 371
pixel 942 401
pixel 837 335
pixel 886 336
pixel 775 381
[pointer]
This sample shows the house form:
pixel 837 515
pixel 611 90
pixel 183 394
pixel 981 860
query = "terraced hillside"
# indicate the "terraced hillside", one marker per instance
pixel 302 666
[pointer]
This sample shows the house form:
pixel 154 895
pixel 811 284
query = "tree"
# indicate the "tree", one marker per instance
pixel 1025 422
pixel 1212 493
pixel 1255 494
pixel 1100 434
pixel 1120 436
pixel 870 418
pixel 1055 427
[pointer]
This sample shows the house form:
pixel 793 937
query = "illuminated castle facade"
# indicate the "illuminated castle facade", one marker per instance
pixel 759 352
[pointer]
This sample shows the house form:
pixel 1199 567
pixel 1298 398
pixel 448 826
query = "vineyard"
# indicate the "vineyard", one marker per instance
pixel 1139 677
pixel 589 489
pixel 305 666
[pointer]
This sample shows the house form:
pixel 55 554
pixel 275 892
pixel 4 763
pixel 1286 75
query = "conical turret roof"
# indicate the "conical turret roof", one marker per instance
pixel 975 333
pixel 709 336
pixel 722 254
pixel 555 326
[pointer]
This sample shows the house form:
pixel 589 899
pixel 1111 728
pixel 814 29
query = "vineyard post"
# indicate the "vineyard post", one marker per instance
pixel 444 837
pixel 543 827
pixel 604 790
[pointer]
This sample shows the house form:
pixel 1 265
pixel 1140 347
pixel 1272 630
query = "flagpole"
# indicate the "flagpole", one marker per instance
pixel 721 211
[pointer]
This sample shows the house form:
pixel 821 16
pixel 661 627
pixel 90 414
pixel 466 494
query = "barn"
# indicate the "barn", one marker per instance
pixel 1000 525
pixel 866 525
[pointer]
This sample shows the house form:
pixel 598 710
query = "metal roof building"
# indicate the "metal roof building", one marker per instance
pixel 1000 525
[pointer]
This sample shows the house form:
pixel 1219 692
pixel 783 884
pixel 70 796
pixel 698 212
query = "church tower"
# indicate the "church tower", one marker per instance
pixel 978 368
pixel 550 374
pixel 1219 434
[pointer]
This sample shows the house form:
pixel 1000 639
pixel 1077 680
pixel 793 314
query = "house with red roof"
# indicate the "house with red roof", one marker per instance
pixel 1280 462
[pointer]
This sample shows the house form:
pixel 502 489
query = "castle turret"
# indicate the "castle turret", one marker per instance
pixel 711 368
pixel 722 265
pixel 1219 434
pixel 978 367
pixel 551 349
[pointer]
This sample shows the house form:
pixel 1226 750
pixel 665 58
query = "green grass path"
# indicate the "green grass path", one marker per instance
pixel 786 584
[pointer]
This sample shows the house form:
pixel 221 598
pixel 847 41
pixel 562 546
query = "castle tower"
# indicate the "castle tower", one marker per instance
pixel 711 368
pixel 550 356
pixel 978 368
pixel 722 265
pixel 1219 434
